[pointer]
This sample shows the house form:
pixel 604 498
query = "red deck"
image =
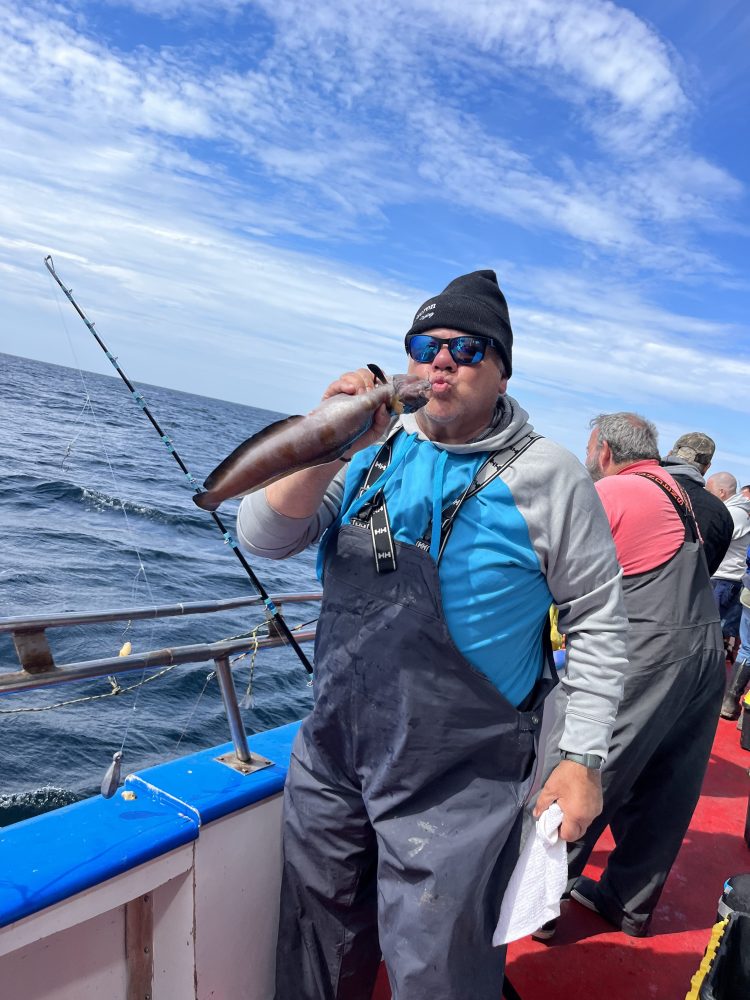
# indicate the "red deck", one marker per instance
pixel 587 960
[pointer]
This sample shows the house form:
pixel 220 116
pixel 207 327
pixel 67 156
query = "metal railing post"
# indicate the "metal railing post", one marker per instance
pixel 229 697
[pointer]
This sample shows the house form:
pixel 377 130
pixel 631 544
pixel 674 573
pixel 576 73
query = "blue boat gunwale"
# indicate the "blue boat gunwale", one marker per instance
pixel 52 857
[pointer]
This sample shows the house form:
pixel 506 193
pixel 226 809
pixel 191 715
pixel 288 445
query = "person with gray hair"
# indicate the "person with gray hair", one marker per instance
pixel 669 710
pixel 687 463
pixel 628 437
pixel 727 585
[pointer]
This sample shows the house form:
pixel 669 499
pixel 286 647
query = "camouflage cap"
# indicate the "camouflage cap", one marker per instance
pixel 694 447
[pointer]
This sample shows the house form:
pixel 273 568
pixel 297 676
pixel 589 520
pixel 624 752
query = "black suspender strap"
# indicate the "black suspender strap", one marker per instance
pixel 493 466
pixel 375 513
pixel 383 548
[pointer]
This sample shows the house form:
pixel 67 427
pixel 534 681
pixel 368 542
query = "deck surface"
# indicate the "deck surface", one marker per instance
pixel 588 960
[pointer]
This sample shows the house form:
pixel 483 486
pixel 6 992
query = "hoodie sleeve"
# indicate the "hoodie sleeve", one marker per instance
pixel 262 531
pixel 570 533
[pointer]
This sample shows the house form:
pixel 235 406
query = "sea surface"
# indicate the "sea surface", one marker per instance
pixel 95 514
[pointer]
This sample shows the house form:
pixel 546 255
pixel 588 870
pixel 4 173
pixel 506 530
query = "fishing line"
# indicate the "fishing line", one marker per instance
pixel 130 534
pixel 209 677
pixel 271 610
pixel 103 445
pixel 69 449
pixel 116 689
pixel 248 699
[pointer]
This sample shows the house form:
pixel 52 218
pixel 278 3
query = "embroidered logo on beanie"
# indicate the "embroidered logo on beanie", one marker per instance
pixel 426 312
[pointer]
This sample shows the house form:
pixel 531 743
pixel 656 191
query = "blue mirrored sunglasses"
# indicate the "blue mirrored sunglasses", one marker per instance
pixel 465 350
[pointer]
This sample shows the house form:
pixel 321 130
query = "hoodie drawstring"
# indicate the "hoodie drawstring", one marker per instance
pixel 437 504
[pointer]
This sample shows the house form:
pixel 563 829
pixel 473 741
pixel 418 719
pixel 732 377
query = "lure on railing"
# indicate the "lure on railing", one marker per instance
pixel 111 780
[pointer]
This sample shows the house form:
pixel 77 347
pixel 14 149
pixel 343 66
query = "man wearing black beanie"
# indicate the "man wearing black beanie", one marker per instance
pixel 472 303
pixel 445 535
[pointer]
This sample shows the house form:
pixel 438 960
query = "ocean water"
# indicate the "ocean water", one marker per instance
pixel 95 514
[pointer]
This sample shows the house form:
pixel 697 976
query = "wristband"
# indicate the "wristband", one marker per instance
pixel 590 760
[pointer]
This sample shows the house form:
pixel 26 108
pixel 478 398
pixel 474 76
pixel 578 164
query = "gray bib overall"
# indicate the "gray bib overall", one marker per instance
pixel 404 796
pixel 664 728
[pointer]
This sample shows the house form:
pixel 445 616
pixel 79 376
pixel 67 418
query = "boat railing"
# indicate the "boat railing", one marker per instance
pixel 39 669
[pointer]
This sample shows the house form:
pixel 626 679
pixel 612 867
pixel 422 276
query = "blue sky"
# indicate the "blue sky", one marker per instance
pixel 251 197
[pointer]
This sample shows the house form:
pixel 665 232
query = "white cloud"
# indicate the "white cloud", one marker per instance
pixel 346 105
pixel 170 184
pixel 54 61
pixel 607 48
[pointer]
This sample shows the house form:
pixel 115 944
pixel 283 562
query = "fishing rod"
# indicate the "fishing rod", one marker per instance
pixel 271 610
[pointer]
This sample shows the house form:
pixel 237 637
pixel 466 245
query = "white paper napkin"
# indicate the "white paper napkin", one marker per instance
pixel 537 883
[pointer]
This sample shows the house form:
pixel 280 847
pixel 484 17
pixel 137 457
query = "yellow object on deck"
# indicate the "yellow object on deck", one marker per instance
pixel 711 948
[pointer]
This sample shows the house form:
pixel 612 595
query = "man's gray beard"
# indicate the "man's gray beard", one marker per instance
pixel 593 469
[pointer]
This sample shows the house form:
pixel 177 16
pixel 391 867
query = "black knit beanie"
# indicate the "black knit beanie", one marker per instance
pixel 472 303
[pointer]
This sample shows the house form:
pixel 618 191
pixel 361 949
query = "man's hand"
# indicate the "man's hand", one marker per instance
pixel 300 494
pixel 354 383
pixel 578 792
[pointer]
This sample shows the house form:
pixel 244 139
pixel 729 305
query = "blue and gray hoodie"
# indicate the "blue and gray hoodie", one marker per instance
pixel 534 536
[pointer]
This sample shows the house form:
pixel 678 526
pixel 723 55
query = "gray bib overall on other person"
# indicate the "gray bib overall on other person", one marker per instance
pixel 664 728
pixel 404 796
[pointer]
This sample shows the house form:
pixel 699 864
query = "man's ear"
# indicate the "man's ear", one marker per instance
pixel 501 371
pixel 605 454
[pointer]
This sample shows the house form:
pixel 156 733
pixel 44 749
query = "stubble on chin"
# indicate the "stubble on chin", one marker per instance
pixel 594 470
pixel 425 416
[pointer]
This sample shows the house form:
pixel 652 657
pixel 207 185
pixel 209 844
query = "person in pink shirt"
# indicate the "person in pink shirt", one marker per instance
pixel 642 519
pixel 674 683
